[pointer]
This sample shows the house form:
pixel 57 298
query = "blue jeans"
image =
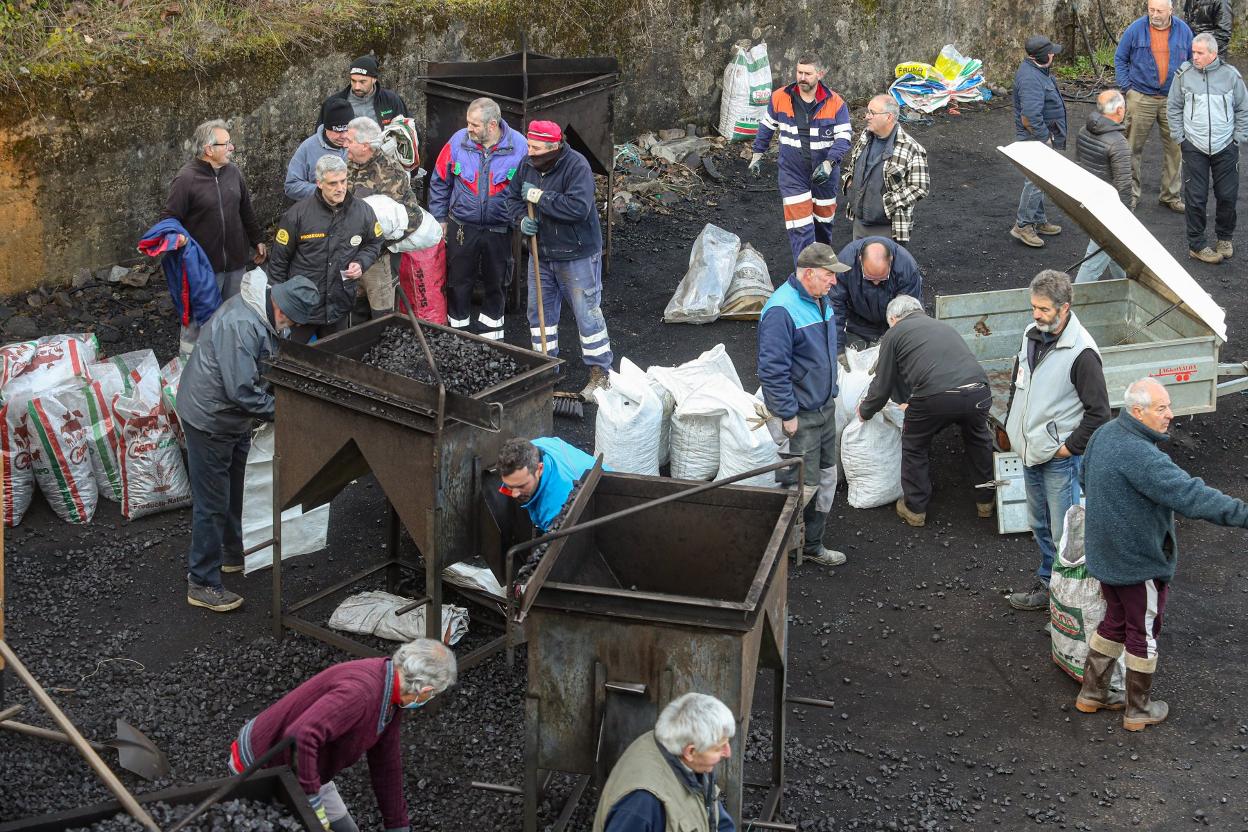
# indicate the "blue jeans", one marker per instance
pixel 1097 265
pixel 1052 487
pixel 579 282
pixel 1031 205
pixel 216 463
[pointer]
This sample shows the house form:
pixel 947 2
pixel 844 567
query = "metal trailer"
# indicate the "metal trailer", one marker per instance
pixel 1157 322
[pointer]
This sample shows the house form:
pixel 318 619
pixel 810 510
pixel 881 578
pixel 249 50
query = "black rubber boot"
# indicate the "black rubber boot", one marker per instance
pixel 1095 694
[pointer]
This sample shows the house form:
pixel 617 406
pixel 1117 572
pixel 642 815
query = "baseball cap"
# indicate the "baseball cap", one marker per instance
pixel 820 256
pixel 544 131
pixel 297 298
pixel 337 113
pixel 365 65
pixel 1038 46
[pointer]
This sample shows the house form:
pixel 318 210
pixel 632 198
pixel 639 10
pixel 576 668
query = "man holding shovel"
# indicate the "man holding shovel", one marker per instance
pixel 551 199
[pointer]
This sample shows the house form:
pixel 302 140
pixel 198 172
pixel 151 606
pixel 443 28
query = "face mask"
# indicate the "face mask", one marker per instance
pixel 416 705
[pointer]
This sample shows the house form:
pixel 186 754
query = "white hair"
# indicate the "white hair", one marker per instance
pixel 366 131
pixel 901 306
pixel 329 164
pixel 423 663
pixel 1140 394
pixel 1207 40
pixel 888 104
pixel 694 719
pixel 1111 101
pixel 206 134
pixel 487 109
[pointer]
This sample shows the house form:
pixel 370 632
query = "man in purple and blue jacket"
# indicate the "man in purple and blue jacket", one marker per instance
pixel 343 713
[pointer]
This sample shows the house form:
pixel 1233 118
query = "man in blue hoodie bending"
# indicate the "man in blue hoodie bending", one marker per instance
pixel 797 368
pixel 541 473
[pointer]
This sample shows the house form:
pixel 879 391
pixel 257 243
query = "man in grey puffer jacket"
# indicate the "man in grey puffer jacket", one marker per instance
pixel 1208 112
pixel 1101 149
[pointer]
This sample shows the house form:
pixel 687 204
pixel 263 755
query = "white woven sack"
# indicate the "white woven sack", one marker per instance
pixel 628 426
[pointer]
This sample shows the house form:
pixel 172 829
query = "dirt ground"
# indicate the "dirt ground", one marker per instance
pixel 950 714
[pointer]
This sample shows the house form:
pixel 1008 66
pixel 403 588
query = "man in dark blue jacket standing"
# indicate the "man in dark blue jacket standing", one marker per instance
pixel 879 270
pixel 797 368
pixel 1039 116
pixel 559 184
pixel 1133 491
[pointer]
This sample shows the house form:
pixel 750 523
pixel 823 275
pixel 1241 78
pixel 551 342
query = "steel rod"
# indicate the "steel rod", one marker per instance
pixel 569 807
pixel 496 787
pixel 419 602
pixel 234 782
pixel 84 748
pixel 771 824
pixel 806 700
pixel 343 584
pixel 1069 269
pixel 258 547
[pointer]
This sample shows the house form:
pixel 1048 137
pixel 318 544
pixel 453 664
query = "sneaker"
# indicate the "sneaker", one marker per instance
pixel 1177 206
pixel 233 563
pixel 825 556
pixel 1226 248
pixel 1048 229
pixel 1026 235
pixel 598 378
pixel 984 510
pixel 912 518
pixel 1036 598
pixel 215 598
pixel 1205 255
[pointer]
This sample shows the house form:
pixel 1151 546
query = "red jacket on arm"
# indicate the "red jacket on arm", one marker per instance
pixel 336 717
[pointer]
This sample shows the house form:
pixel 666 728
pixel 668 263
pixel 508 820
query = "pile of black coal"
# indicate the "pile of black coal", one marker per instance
pixel 467 366
pixel 233 815
pixel 538 552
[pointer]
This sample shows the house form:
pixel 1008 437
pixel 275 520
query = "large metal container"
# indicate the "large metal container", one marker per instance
pixel 270 785
pixel 338 419
pixel 688 596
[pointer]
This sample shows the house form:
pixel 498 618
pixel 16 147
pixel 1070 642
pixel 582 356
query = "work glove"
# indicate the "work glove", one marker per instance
pixel 756 164
pixel 322 817
pixel 822 173
pixel 528 227
pixel 530 192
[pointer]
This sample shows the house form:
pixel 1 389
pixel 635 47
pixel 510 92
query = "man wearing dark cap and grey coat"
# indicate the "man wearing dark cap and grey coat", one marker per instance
pixel 220 397
pixel 366 96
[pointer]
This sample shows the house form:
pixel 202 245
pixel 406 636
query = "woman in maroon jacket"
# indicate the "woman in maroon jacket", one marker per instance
pixel 343 713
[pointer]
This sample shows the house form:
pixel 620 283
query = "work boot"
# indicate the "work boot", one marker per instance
pixel 1036 598
pixel 1026 235
pixel 1048 229
pixel 598 378
pixel 984 510
pixel 215 598
pixel 1176 205
pixel 1226 248
pixel 1095 694
pixel 912 518
pixel 825 556
pixel 233 562
pixel 1205 255
pixel 1141 711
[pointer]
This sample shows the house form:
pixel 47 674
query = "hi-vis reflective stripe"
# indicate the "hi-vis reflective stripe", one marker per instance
pixel 552 333
pixel 797 198
pixel 496 335
pixel 458 323
pixel 799 222
pixel 492 323
pixel 606 347
pixel 825 209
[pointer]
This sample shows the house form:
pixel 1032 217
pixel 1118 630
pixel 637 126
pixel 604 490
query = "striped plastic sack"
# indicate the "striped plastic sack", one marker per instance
pixel 153 477
pixel 57 358
pixel 170 378
pixel 747 91
pixel 15 358
pixel 60 452
pixel 1076 604
pixel 102 441
pixel 122 373
pixel 18 486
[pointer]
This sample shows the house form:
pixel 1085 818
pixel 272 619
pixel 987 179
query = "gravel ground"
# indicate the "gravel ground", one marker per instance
pixel 949 713
pixel 231 816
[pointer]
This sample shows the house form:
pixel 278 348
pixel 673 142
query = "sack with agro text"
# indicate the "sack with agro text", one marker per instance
pixel 302 532
pixel 18 485
pixel 372 613
pixel 102 441
pixel 747 90
pixel 153 477
pixel 60 452
pixel 422 277
pixel 170 378
pixel 14 359
pixel 744 441
pixel 694 439
pixel 750 287
pixel 701 291
pixel 627 428
pixel 1076 605
pixel 120 374
pixel 870 451
pixel 56 358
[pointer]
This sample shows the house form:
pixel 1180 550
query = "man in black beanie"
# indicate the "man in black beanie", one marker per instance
pixel 366 96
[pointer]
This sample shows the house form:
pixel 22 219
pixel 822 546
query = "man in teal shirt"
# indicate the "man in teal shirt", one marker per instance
pixel 541 474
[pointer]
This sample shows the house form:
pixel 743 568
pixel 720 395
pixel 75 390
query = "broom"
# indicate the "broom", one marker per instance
pixel 565 404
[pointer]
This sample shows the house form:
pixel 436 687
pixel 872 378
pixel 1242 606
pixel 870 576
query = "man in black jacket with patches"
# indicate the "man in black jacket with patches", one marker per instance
pixel 1101 149
pixel 331 238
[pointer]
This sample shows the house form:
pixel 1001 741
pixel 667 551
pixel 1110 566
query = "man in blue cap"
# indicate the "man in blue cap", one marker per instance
pixel 541 474
pixel 220 397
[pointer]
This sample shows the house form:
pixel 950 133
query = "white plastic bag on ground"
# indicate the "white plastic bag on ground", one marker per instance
pixel 477 578
pixel 60 455
pixel 56 358
pixel 153 477
pixel 747 89
pixel 668 402
pixel 750 287
pixel 1076 605
pixel 372 613
pixel 741 447
pixel 628 425
pixel 701 291
pixel 301 532
pixel 694 439
pixel 870 451
pixel 18 487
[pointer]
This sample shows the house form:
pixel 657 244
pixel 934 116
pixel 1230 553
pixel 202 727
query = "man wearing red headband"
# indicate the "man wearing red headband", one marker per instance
pixel 559 184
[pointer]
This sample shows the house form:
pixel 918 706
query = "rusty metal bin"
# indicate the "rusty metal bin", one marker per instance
pixel 688 596
pixel 277 785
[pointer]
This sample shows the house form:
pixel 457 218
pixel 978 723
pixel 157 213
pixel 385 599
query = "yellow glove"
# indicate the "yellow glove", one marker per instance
pixel 322 817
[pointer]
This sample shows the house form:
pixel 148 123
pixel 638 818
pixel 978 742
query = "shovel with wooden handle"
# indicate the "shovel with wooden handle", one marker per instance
pixel 135 752
pixel 565 404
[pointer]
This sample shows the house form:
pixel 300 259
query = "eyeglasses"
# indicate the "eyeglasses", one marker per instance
pixel 874 113
pixel 222 144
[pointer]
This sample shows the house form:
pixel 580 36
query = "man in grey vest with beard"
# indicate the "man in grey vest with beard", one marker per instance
pixel 1057 399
